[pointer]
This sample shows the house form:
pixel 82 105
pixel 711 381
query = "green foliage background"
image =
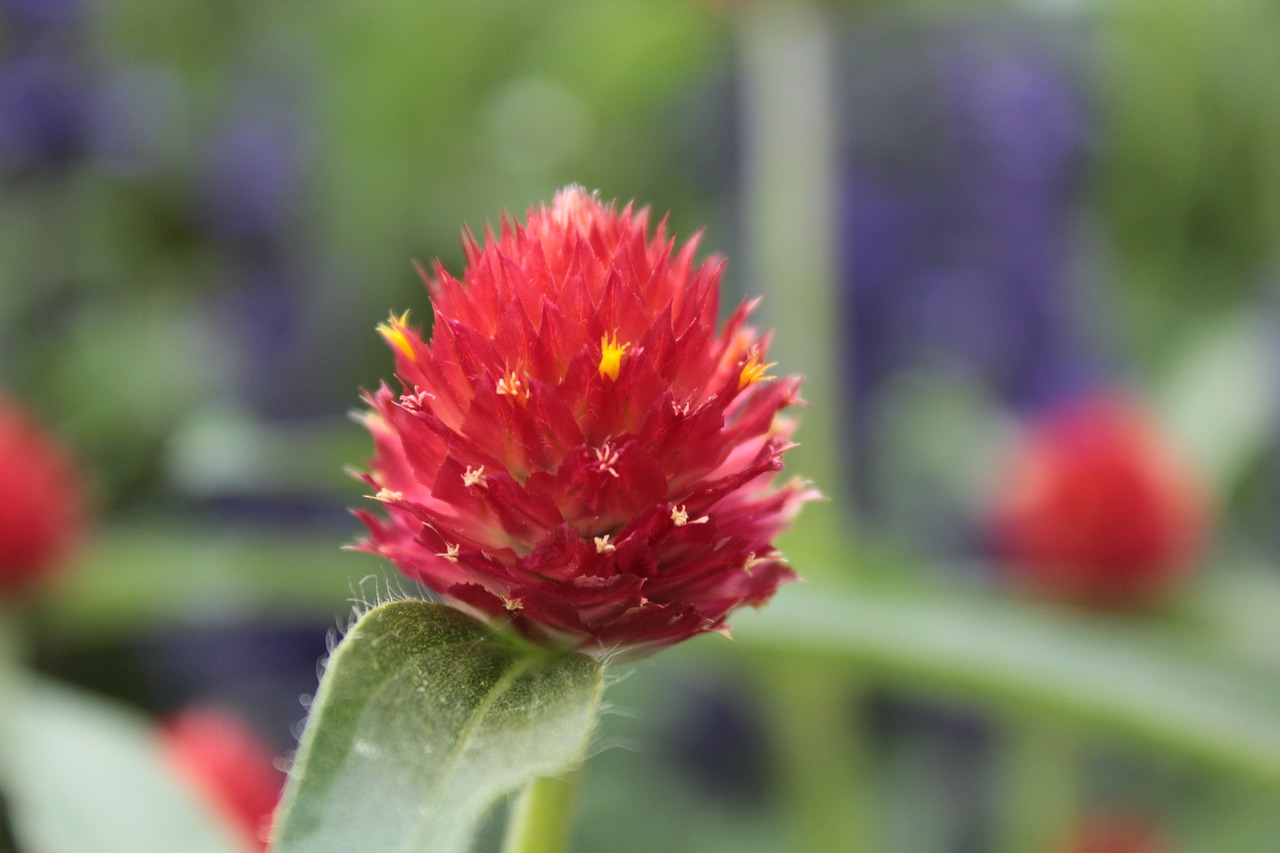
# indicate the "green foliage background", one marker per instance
pixel 408 119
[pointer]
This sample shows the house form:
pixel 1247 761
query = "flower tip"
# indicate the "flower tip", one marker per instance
pixel 809 492
pixel 395 331
pixel 574 208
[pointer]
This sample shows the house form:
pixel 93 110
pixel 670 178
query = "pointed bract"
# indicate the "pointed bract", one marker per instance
pixel 577 451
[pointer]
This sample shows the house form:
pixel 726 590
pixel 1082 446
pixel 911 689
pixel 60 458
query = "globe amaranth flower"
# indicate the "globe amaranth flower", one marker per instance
pixel 1095 507
pixel 576 451
pixel 41 502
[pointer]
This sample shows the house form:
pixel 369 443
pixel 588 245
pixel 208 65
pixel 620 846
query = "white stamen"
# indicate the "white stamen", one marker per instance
pixel 473 477
pixel 450 553
pixel 680 517
pixel 511 386
pixel 416 402
pixel 603 544
pixel 606 458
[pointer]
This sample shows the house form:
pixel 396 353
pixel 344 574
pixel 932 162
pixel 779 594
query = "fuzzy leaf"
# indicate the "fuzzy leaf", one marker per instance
pixel 425 719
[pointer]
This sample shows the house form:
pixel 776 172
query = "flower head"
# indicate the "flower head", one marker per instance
pixel 41 502
pixel 1095 508
pixel 576 450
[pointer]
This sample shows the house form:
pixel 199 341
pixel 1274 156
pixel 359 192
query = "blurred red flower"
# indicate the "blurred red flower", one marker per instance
pixel 42 503
pixel 1094 507
pixel 1116 835
pixel 576 451
pixel 228 767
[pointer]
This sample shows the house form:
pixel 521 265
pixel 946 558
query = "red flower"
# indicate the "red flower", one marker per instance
pixel 1095 508
pixel 41 502
pixel 1116 835
pixel 228 767
pixel 576 451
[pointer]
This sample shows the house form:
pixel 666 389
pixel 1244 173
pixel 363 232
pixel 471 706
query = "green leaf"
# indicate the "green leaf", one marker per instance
pixel 83 774
pixel 425 719
pixel 1219 398
pixel 1112 675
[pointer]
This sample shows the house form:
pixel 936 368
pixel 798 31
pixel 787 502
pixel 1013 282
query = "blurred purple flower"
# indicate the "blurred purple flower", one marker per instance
pixel 262 308
pixel 32 15
pixel 252 178
pixel 44 108
pixel 249 205
pixel 957 239
pixel 967 149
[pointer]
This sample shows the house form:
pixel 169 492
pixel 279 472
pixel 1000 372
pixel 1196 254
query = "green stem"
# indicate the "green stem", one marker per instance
pixel 13 652
pixel 827 786
pixel 789 70
pixel 1039 786
pixel 542 819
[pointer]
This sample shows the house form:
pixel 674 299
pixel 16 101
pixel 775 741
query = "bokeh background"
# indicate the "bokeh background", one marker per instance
pixel 960 215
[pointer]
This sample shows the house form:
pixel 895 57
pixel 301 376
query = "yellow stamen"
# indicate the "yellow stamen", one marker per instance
pixel 611 355
pixel 753 371
pixel 450 553
pixel 513 604
pixel 603 545
pixel 473 476
pixel 394 332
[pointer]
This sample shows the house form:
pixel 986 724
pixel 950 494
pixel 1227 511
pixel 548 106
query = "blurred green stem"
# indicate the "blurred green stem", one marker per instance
pixel 788 69
pixel 13 635
pixel 1039 782
pixel 790 179
pixel 823 757
pixel 13 651
pixel 542 818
